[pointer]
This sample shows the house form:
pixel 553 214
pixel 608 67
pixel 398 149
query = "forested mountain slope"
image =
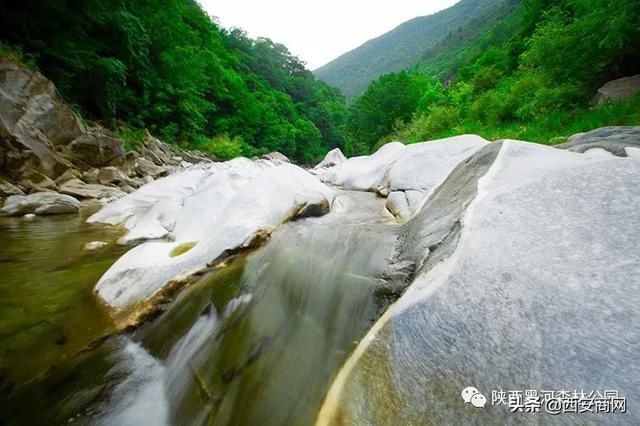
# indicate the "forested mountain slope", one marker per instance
pixel 532 76
pixel 406 45
pixel 173 70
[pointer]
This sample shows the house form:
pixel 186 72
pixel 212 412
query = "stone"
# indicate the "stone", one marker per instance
pixel 364 173
pixel 29 217
pixel 7 189
pixel 97 147
pixel 215 207
pixel 145 167
pixel 91 176
pixel 518 250
pixel 41 203
pixel 276 157
pixel 618 90
pixel 112 175
pixel 35 116
pixel 78 188
pixel 616 140
pixel 38 182
pixel 68 175
pixel 95 245
pixel 333 158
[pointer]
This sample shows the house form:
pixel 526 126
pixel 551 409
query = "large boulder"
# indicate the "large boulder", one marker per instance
pixel 206 212
pixel 35 116
pixel 96 148
pixel 333 158
pixel 41 203
pixel 616 140
pixel 618 90
pixel 366 173
pixel 527 279
pixel 78 188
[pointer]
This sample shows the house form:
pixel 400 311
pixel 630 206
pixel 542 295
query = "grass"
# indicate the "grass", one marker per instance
pixel 552 128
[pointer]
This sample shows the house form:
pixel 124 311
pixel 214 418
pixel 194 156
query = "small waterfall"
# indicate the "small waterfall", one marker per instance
pixel 285 323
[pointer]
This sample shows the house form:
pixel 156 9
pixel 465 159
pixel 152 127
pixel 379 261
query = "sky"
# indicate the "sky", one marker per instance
pixel 319 31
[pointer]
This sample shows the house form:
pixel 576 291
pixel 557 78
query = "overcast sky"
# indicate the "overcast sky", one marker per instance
pixel 321 30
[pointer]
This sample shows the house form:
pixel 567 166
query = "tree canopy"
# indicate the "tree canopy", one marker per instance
pixel 172 69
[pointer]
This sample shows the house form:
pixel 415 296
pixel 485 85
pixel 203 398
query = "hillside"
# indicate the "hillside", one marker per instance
pixel 532 74
pixel 174 71
pixel 406 45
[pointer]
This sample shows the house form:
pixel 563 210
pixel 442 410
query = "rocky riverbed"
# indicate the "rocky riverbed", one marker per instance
pixel 163 287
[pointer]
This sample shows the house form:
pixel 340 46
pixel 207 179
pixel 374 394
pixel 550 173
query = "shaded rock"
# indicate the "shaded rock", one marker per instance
pixel 91 176
pixel 68 175
pixel 145 167
pixel 397 204
pixel 41 203
pixel 618 90
pixel 112 175
pixel 97 147
pixel 7 189
pixel 35 116
pixel 615 139
pixel 128 189
pixel 532 244
pixel 94 245
pixel 78 188
pixel 38 182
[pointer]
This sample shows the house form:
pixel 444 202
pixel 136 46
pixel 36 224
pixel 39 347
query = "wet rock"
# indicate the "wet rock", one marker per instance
pixel 618 90
pixel 29 217
pixel 41 203
pixel 78 188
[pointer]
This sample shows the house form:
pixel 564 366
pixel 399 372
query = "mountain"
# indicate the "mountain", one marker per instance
pixel 406 45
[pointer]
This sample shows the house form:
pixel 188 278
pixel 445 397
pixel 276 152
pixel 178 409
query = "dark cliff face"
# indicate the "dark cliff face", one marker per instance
pixel 402 47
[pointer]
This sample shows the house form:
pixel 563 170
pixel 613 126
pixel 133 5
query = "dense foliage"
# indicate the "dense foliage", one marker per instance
pixel 535 83
pixel 409 43
pixel 170 68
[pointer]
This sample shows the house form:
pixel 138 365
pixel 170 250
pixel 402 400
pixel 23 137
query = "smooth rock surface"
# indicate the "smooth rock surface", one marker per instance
pixel 533 283
pixel 41 203
pixel 78 188
pixel 220 207
pixel 615 139
pixel 333 158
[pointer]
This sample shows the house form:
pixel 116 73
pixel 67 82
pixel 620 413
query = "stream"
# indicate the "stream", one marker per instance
pixel 257 342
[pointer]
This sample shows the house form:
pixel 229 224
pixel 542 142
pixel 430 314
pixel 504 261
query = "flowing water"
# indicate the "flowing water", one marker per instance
pixel 258 342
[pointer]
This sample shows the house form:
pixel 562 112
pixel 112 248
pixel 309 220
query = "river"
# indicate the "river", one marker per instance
pixel 257 342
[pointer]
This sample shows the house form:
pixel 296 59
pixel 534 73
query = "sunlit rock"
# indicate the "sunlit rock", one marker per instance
pixel 526 261
pixel 214 209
